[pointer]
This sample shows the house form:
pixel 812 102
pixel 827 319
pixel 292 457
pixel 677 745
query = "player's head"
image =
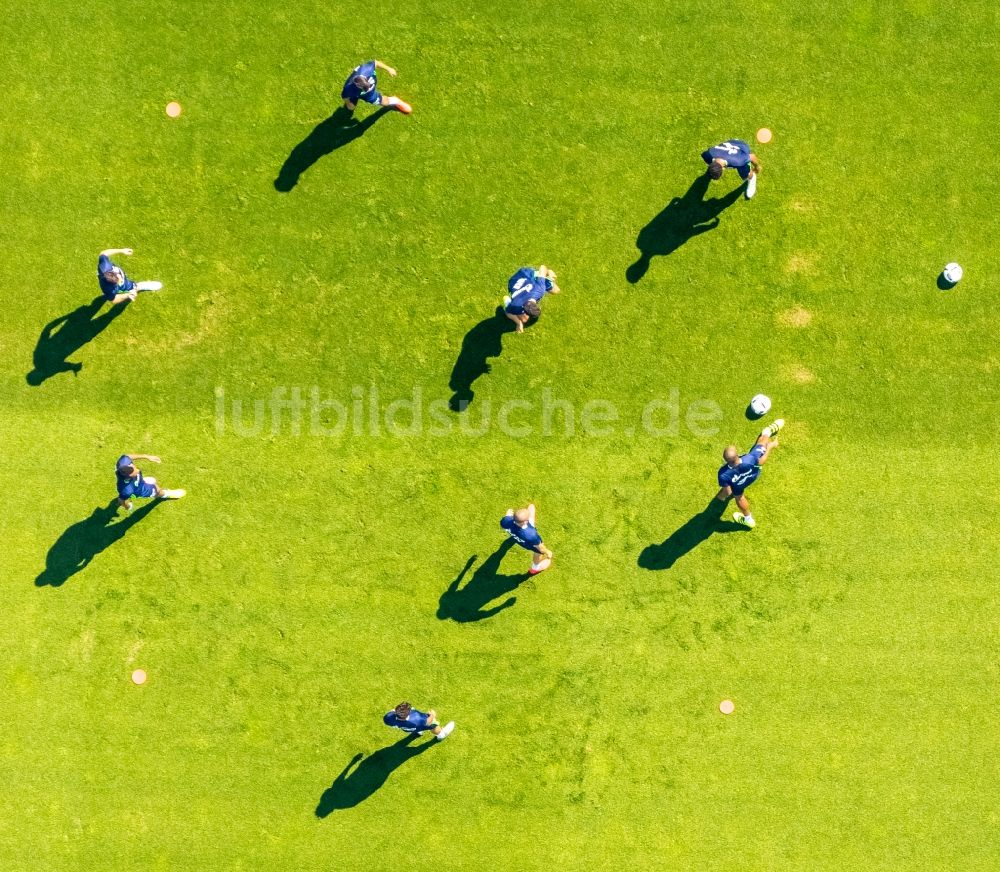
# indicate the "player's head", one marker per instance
pixel 715 170
pixel 110 275
pixel 731 455
pixel 125 467
pixel 364 83
pixel 403 710
pixel 532 309
pixel 522 516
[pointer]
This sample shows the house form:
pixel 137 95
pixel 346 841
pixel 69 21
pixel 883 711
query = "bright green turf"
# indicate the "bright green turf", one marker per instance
pixel 292 597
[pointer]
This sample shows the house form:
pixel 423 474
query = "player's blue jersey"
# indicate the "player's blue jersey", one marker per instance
pixel 526 284
pixel 745 473
pixel 413 722
pixel 370 94
pixel 527 536
pixel 735 152
pixel 121 284
pixel 129 487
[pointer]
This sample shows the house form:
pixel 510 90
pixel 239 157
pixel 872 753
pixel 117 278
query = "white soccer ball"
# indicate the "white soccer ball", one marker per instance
pixel 760 405
pixel 953 273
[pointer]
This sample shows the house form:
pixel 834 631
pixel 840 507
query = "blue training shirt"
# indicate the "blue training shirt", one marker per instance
pixel 744 473
pixel 735 152
pixel 121 284
pixel 526 284
pixel 353 93
pixel 527 536
pixel 413 722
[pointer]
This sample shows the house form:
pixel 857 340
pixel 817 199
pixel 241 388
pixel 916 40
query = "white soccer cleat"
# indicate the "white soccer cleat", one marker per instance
pixel 174 494
pixel 540 566
pixel 751 187
pixel 743 520
pixel 445 731
pixel 149 286
pixel 771 430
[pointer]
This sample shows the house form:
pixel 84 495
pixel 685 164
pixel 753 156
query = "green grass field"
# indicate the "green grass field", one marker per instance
pixel 305 584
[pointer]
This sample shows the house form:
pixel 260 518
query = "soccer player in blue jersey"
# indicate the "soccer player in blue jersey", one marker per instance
pixel 520 526
pixel 741 471
pixel 526 288
pixel 736 154
pixel 362 84
pixel 132 483
pixel 115 285
pixel 406 718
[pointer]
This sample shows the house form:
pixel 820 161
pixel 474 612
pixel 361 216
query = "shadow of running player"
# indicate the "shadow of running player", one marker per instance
pixel 83 541
pixel 481 342
pixel 67 334
pixel 469 603
pixel 352 788
pixel 334 132
pixel 681 219
pixel 688 537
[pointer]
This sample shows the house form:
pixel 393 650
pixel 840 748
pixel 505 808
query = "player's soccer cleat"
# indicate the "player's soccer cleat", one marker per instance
pixel 744 520
pixel 445 731
pixel 174 494
pixel 540 567
pixel 771 430
pixel 400 105
pixel 149 286
pixel 751 187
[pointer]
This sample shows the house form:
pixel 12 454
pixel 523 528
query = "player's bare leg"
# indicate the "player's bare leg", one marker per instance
pixel 744 516
pixel 396 103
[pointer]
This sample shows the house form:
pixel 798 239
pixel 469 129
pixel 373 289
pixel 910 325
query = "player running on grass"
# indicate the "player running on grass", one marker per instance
pixel 527 287
pixel 132 483
pixel 406 718
pixel 362 84
pixel 520 526
pixel 735 154
pixel 115 285
pixel 739 472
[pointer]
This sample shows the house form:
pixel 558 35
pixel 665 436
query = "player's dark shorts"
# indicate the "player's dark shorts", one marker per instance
pixel 526 547
pixel 744 171
pixel 374 96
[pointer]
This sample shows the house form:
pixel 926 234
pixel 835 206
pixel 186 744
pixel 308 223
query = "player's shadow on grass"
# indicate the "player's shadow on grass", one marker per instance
pixel 480 343
pixel 681 219
pixel 83 541
pixel 464 604
pixel 351 788
pixel 335 132
pixel 65 335
pixel 688 537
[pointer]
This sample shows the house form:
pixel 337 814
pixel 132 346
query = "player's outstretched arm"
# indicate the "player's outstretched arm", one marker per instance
pixel 110 252
pixel 152 458
pixel 128 297
pixel 754 162
pixel 380 66
pixel 517 321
